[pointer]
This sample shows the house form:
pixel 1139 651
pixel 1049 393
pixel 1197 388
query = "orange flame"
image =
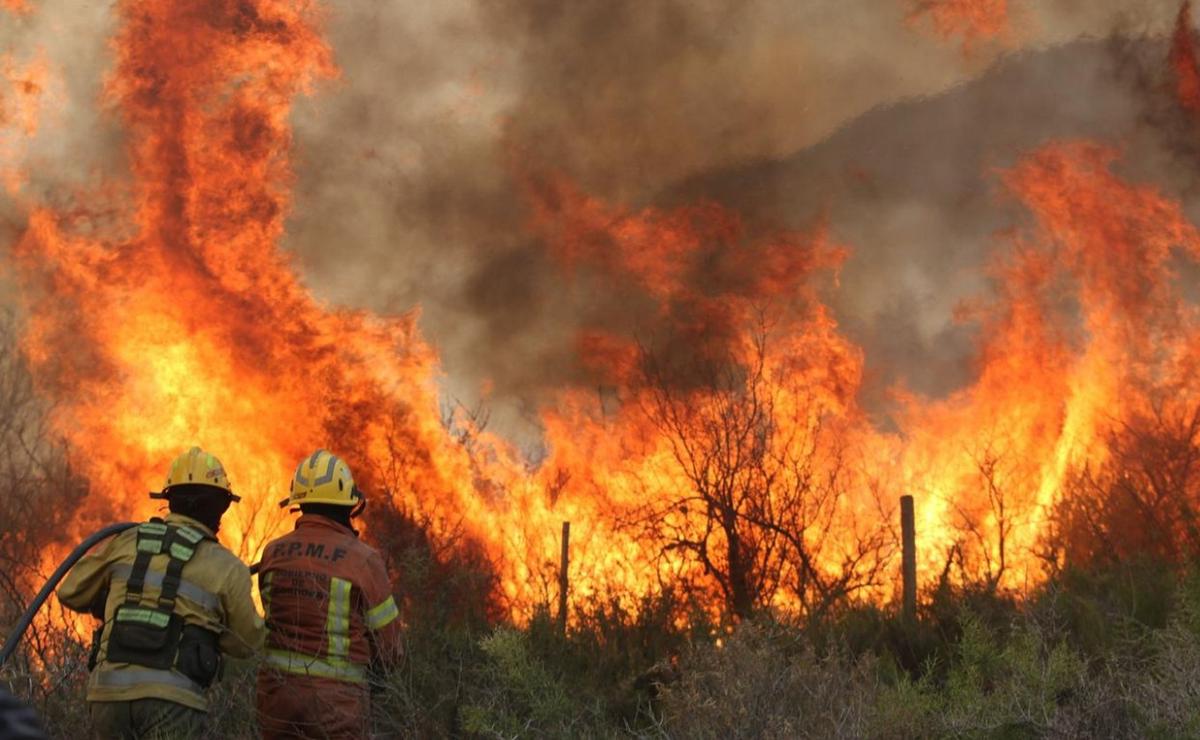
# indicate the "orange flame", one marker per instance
pixel 1089 326
pixel 1184 62
pixel 973 21
pixel 172 317
pixel 184 323
pixel 191 326
pixel 16 6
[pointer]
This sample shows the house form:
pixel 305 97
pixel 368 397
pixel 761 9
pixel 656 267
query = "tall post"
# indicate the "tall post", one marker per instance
pixel 562 578
pixel 909 557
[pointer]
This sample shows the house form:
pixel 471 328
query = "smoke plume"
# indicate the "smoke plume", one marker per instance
pixel 870 114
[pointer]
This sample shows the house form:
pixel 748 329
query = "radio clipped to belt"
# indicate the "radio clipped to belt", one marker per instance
pixel 152 634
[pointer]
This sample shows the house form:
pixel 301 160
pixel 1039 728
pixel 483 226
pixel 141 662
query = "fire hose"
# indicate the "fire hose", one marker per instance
pixel 18 631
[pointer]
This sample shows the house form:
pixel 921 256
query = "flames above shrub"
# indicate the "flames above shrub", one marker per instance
pixel 724 448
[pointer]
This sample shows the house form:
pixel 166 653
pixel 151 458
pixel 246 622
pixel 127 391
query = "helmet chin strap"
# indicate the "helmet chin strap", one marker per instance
pixel 362 502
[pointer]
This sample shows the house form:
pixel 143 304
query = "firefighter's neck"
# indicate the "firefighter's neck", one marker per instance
pixel 339 514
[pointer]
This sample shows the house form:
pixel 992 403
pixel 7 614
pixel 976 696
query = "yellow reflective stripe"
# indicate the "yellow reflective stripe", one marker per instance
pixel 187 589
pixel 145 616
pixel 181 552
pixel 338 624
pixel 190 534
pixel 383 615
pixel 124 678
pixel 311 665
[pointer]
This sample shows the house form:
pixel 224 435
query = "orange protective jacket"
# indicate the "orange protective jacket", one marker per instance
pixel 330 617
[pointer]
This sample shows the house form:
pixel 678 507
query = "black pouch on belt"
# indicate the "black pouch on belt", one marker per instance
pixel 199 657
pixel 145 636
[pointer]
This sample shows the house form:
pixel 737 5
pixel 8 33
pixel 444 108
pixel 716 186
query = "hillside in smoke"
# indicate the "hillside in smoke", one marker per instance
pixel 913 190
pixel 910 187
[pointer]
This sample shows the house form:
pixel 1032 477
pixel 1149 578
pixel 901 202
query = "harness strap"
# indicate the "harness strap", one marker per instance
pixel 172 578
pixel 153 538
pixel 150 539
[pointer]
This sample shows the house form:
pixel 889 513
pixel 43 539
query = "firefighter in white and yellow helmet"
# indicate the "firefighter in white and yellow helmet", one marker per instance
pixel 330 611
pixel 173 601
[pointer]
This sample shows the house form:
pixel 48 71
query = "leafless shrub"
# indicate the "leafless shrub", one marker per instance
pixel 36 484
pixel 231 703
pixel 767 472
pixel 38 501
pixel 1144 501
pixel 1166 689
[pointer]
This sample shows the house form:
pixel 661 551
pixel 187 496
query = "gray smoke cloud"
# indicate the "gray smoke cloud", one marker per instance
pixel 77 145
pixel 776 108
pixel 405 195
pixel 914 190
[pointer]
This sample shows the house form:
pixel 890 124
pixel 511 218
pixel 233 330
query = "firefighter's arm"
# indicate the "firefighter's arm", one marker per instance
pixel 86 587
pixel 383 615
pixel 244 632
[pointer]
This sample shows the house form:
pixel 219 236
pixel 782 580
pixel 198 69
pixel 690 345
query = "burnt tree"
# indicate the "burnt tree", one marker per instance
pixel 766 471
pixel 1142 501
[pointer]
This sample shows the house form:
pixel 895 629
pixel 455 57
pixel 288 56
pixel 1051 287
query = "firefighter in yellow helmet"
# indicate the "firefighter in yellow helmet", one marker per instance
pixel 330 612
pixel 173 601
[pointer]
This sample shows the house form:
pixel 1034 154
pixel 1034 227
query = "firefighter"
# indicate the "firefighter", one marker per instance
pixel 331 617
pixel 173 601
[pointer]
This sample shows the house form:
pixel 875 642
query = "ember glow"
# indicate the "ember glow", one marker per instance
pixel 1184 62
pixel 971 21
pixel 162 312
pixel 22 96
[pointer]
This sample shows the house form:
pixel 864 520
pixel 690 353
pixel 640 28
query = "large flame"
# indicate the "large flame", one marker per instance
pixel 162 313
pixel 1089 327
pixel 191 326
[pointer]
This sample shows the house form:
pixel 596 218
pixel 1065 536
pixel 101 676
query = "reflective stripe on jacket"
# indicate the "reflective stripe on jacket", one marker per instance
pixel 330 610
pixel 214 594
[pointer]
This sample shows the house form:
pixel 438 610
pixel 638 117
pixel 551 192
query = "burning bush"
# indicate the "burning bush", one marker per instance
pixel 1142 502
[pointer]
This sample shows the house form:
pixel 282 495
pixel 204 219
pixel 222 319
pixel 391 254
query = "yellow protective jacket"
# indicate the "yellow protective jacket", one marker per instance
pixel 214 594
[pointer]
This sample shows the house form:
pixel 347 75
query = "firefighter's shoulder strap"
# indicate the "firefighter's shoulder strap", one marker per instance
pixel 157 537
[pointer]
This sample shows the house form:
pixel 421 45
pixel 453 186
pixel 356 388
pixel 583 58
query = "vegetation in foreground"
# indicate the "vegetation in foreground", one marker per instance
pixel 1113 654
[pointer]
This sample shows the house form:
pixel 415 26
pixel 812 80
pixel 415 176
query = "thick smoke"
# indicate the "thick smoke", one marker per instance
pixel 408 194
pixel 779 109
pixel 75 144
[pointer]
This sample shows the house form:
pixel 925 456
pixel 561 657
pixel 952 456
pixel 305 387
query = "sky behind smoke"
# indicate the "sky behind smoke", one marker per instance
pixel 405 193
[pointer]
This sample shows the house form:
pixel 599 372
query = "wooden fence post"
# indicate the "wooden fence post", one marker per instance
pixel 909 557
pixel 562 578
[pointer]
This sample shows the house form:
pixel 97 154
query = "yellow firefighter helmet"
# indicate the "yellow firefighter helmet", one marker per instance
pixel 323 478
pixel 197 467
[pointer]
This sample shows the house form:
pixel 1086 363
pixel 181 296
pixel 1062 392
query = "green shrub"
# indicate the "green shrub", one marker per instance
pixel 515 694
pixel 1088 655
pixel 767 681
